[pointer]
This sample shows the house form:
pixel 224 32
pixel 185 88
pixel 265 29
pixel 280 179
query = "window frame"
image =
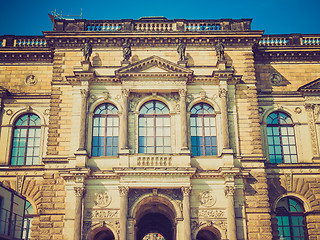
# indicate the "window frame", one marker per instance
pixel 154 116
pixel 27 127
pixel 281 126
pixel 105 116
pixel 202 116
pixel 290 215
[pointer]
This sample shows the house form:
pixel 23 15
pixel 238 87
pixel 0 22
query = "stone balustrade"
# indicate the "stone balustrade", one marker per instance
pixel 290 39
pixel 310 40
pixel 154 161
pixel 152 24
pixel 23 41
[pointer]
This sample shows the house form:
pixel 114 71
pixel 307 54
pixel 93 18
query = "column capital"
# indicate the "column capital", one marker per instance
pixel 229 190
pixel 223 92
pixel 123 190
pixel 186 191
pixel 182 92
pixel 79 191
pixel 84 93
pixel 125 92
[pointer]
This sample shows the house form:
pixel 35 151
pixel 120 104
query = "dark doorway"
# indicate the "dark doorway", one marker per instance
pixel 104 235
pixel 155 224
pixel 206 235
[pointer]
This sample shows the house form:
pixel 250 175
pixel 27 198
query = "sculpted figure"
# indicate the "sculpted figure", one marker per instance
pixel 126 50
pixel 182 51
pixel 87 51
pixel 220 51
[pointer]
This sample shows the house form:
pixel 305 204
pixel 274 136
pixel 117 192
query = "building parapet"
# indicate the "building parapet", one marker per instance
pixel 290 40
pixel 23 41
pixel 151 24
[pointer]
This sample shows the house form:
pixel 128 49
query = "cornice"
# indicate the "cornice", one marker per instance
pixel 34 55
pixel 116 39
pixel 154 171
pixel 279 54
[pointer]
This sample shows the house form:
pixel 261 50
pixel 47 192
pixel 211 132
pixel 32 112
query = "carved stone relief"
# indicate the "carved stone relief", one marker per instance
pixel 207 199
pixel 102 214
pixel 313 111
pixel 103 199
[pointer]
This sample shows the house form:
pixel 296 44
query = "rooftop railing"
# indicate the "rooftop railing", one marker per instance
pixel 23 41
pixel 152 24
pixel 290 39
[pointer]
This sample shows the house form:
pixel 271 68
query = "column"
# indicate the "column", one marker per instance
pixel 223 93
pixel 231 219
pixel 183 117
pixel 83 112
pixel 124 120
pixel 79 192
pixel 186 212
pixel 123 211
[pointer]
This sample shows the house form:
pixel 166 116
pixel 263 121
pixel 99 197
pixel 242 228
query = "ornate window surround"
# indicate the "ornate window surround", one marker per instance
pixel 89 120
pixel 297 130
pixel 219 134
pixel 7 134
pixel 107 116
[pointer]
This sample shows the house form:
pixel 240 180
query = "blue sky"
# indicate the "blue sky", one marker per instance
pixel 19 17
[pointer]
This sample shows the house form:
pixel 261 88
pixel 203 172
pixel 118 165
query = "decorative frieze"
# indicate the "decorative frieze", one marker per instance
pixel 102 214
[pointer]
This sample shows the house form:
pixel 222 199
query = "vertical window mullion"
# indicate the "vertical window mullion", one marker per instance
pixel 27 139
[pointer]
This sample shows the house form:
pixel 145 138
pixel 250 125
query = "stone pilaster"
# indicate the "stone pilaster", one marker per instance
pixel 231 219
pixel 79 193
pixel 124 121
pixel 223 93
pixel 82 135
pixel 186 212
pixel 123 211
pixel 183 117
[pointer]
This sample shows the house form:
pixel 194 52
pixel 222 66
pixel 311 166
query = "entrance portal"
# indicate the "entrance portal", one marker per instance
pixel 154 226
pixel 206 234
pixel 155 218
pixel 101 233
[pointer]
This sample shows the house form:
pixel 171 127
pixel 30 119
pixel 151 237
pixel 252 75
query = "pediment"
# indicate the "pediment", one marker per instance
pixel 312 87
pixel 154 66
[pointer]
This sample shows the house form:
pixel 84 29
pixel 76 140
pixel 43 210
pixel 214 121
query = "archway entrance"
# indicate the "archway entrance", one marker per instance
pixel 104 235
pixel 101 233
pixel 208 234
pixel 155 219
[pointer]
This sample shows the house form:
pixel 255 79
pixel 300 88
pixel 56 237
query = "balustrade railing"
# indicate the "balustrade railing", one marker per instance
pixel 23 41
pixel 154 161
pixel 202 26
pixel 103 26
pixel 274 40
pixel 153 27
pixel 30 42
pixel 290 39
pixel 310 40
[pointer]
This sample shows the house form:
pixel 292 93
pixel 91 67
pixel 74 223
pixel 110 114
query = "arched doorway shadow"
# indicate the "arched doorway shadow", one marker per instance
pixel 155 218
pixel 101 233
pixel 208 233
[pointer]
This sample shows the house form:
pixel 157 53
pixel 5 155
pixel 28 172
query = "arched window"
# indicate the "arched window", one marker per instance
pixel 26 140
pixel 281 139
pixel 105 131
pixel 28 217
pixel 291 220
pixel 203 130
pixel 154 128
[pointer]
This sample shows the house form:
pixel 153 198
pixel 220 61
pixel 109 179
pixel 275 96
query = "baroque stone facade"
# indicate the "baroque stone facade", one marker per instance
pixel 217 139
